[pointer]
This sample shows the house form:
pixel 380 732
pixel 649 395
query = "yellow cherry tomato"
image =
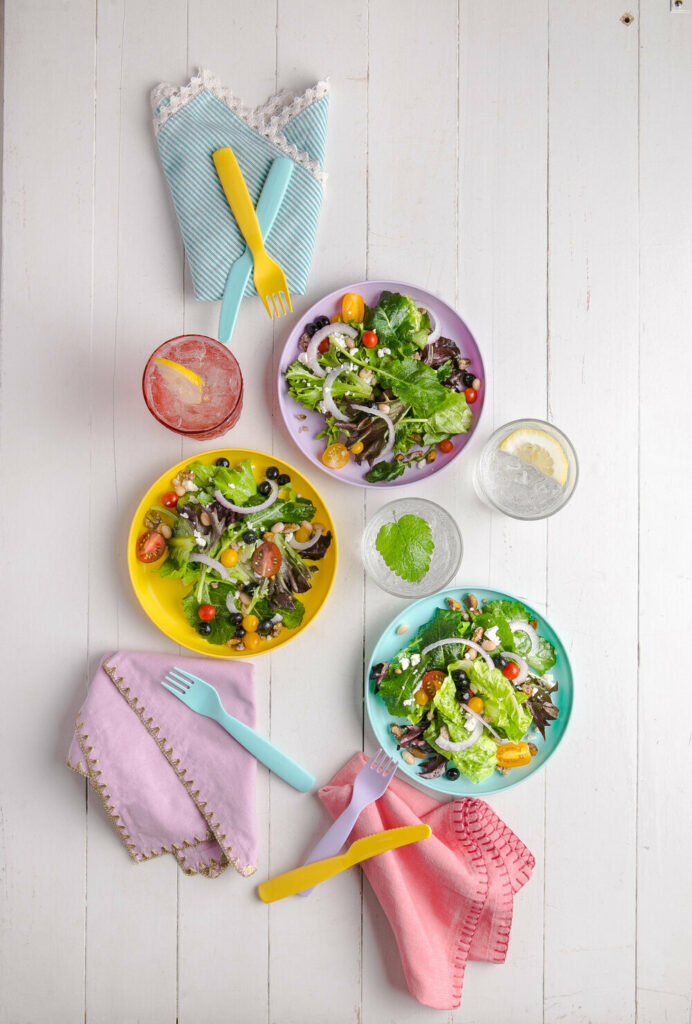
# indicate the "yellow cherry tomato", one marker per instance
pixel 250 623
pixel 229 558
pixel 302 535
pixel 513 755
pixel 421 696
pixel 476 704
pixel 336 319
pixel 352 307
pixel 336 455
pixel 357 448
pixel 251 641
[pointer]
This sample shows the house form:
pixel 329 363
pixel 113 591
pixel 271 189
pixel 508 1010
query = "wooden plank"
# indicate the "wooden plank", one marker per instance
pixel 223 928
pixel 315 968
pixel 44 438
pixel 132 908
pixel 592 544
pixel 664 950
pixel 503 64
pixel 412 237
pixel 46 322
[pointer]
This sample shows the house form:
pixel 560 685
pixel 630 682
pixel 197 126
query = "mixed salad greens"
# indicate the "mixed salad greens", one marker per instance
pixel 243 547
pixel 391 389
pixel 472 683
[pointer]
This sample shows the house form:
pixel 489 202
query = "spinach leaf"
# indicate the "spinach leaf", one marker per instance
pixel 385 471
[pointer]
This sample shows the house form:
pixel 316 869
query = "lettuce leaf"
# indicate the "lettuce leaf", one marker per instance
pixel 500 614
pixel 475 763
pixel 501 706
pixel 397 693
pixel 452 417
pixel 398 322
pixel 444 623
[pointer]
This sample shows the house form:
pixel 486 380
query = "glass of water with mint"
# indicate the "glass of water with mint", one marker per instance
pixel 528 470
pixel 412 547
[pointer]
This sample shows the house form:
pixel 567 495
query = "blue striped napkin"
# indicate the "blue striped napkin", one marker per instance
pixel 193 120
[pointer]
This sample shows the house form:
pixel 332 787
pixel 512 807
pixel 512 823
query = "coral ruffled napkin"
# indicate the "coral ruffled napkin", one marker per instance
pixel 170 780
pixel 456 888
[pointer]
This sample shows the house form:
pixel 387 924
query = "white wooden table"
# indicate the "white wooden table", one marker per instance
pixel 531 163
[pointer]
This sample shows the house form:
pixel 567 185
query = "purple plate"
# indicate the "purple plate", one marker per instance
pixel 452 327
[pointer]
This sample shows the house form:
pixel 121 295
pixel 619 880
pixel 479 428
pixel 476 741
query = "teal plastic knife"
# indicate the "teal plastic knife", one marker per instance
pixel 268 205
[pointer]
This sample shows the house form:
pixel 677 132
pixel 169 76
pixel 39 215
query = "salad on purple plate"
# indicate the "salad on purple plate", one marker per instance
pixel 392 390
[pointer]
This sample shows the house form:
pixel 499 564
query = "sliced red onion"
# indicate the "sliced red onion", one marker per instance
pixel 444 743
pixel 436 330
pixel 521 662
pixel 308 543
pixel 319 336
pixel 330 404
pixel 245 510
pixel 484 723
pixel 390 427
pixel 213 563
pixel 463 643
pixel 519 626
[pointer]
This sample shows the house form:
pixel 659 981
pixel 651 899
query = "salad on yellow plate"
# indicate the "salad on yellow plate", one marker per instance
pixel 232 553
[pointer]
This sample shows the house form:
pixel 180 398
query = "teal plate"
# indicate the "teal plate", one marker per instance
pixel 390 643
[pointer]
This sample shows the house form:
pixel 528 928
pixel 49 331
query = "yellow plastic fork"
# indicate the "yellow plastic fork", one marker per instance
pixel 270 280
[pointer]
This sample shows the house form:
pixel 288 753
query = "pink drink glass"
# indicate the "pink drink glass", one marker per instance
pixel 222 393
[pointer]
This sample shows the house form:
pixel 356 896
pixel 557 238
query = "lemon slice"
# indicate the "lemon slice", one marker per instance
pixel 183 382
pixel 540 450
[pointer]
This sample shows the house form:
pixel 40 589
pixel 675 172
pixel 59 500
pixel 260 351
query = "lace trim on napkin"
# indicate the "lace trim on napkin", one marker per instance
pixel 92 774
pixel 269 119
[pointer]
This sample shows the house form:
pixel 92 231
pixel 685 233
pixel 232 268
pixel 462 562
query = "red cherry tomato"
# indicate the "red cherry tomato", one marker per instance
pixel 432 681
pixel 150 546
pixel 511 670
pixel 471 395
pixel 206 612
pixel 369 339
pixel 323 345
pixel 446 446
pixel 169 499
pixel 267 559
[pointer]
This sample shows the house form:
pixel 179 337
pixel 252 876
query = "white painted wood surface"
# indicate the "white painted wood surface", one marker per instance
pixel 531 164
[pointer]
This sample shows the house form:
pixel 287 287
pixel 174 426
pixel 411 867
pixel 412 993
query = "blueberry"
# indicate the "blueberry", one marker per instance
pixel 462 695
pixel 320 321
pixel 250 588
pixel 266 626
pixel 452 774
pixel 310 330
pixel 272 473
pixel 239 632
pixel 459 677
pixel 469 379
pixel 283 479
pixel 249 537
pixel 264 489
pixel 236 618
pixel 223 462
pixel 204 628
pixel 501 662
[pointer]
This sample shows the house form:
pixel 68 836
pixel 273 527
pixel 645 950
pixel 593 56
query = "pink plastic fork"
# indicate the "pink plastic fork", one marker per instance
pixel 370 783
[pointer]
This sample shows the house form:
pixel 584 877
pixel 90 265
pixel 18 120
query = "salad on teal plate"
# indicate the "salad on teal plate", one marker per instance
pixel 472 689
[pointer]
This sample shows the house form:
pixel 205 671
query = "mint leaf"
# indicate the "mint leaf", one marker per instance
pixel 407 547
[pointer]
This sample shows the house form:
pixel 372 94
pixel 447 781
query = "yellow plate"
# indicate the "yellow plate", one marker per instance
pixel 161 598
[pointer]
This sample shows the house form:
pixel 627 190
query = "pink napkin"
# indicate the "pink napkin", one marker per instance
pixel 448 898
pixel 171 781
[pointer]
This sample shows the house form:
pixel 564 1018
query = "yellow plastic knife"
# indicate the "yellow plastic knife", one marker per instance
pixel 320 870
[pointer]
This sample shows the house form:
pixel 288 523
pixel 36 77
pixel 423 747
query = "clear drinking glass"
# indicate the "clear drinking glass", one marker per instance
pixel 528 469
pixel 202 413
pixel 446 555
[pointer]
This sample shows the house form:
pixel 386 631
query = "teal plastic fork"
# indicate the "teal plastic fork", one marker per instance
pixel 202 698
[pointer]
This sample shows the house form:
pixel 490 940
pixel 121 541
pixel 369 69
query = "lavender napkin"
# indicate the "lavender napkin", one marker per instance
pixel 170 780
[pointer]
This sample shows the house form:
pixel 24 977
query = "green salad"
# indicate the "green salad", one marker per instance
pixel 472 685
pixel 245 548
pixel 392 391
